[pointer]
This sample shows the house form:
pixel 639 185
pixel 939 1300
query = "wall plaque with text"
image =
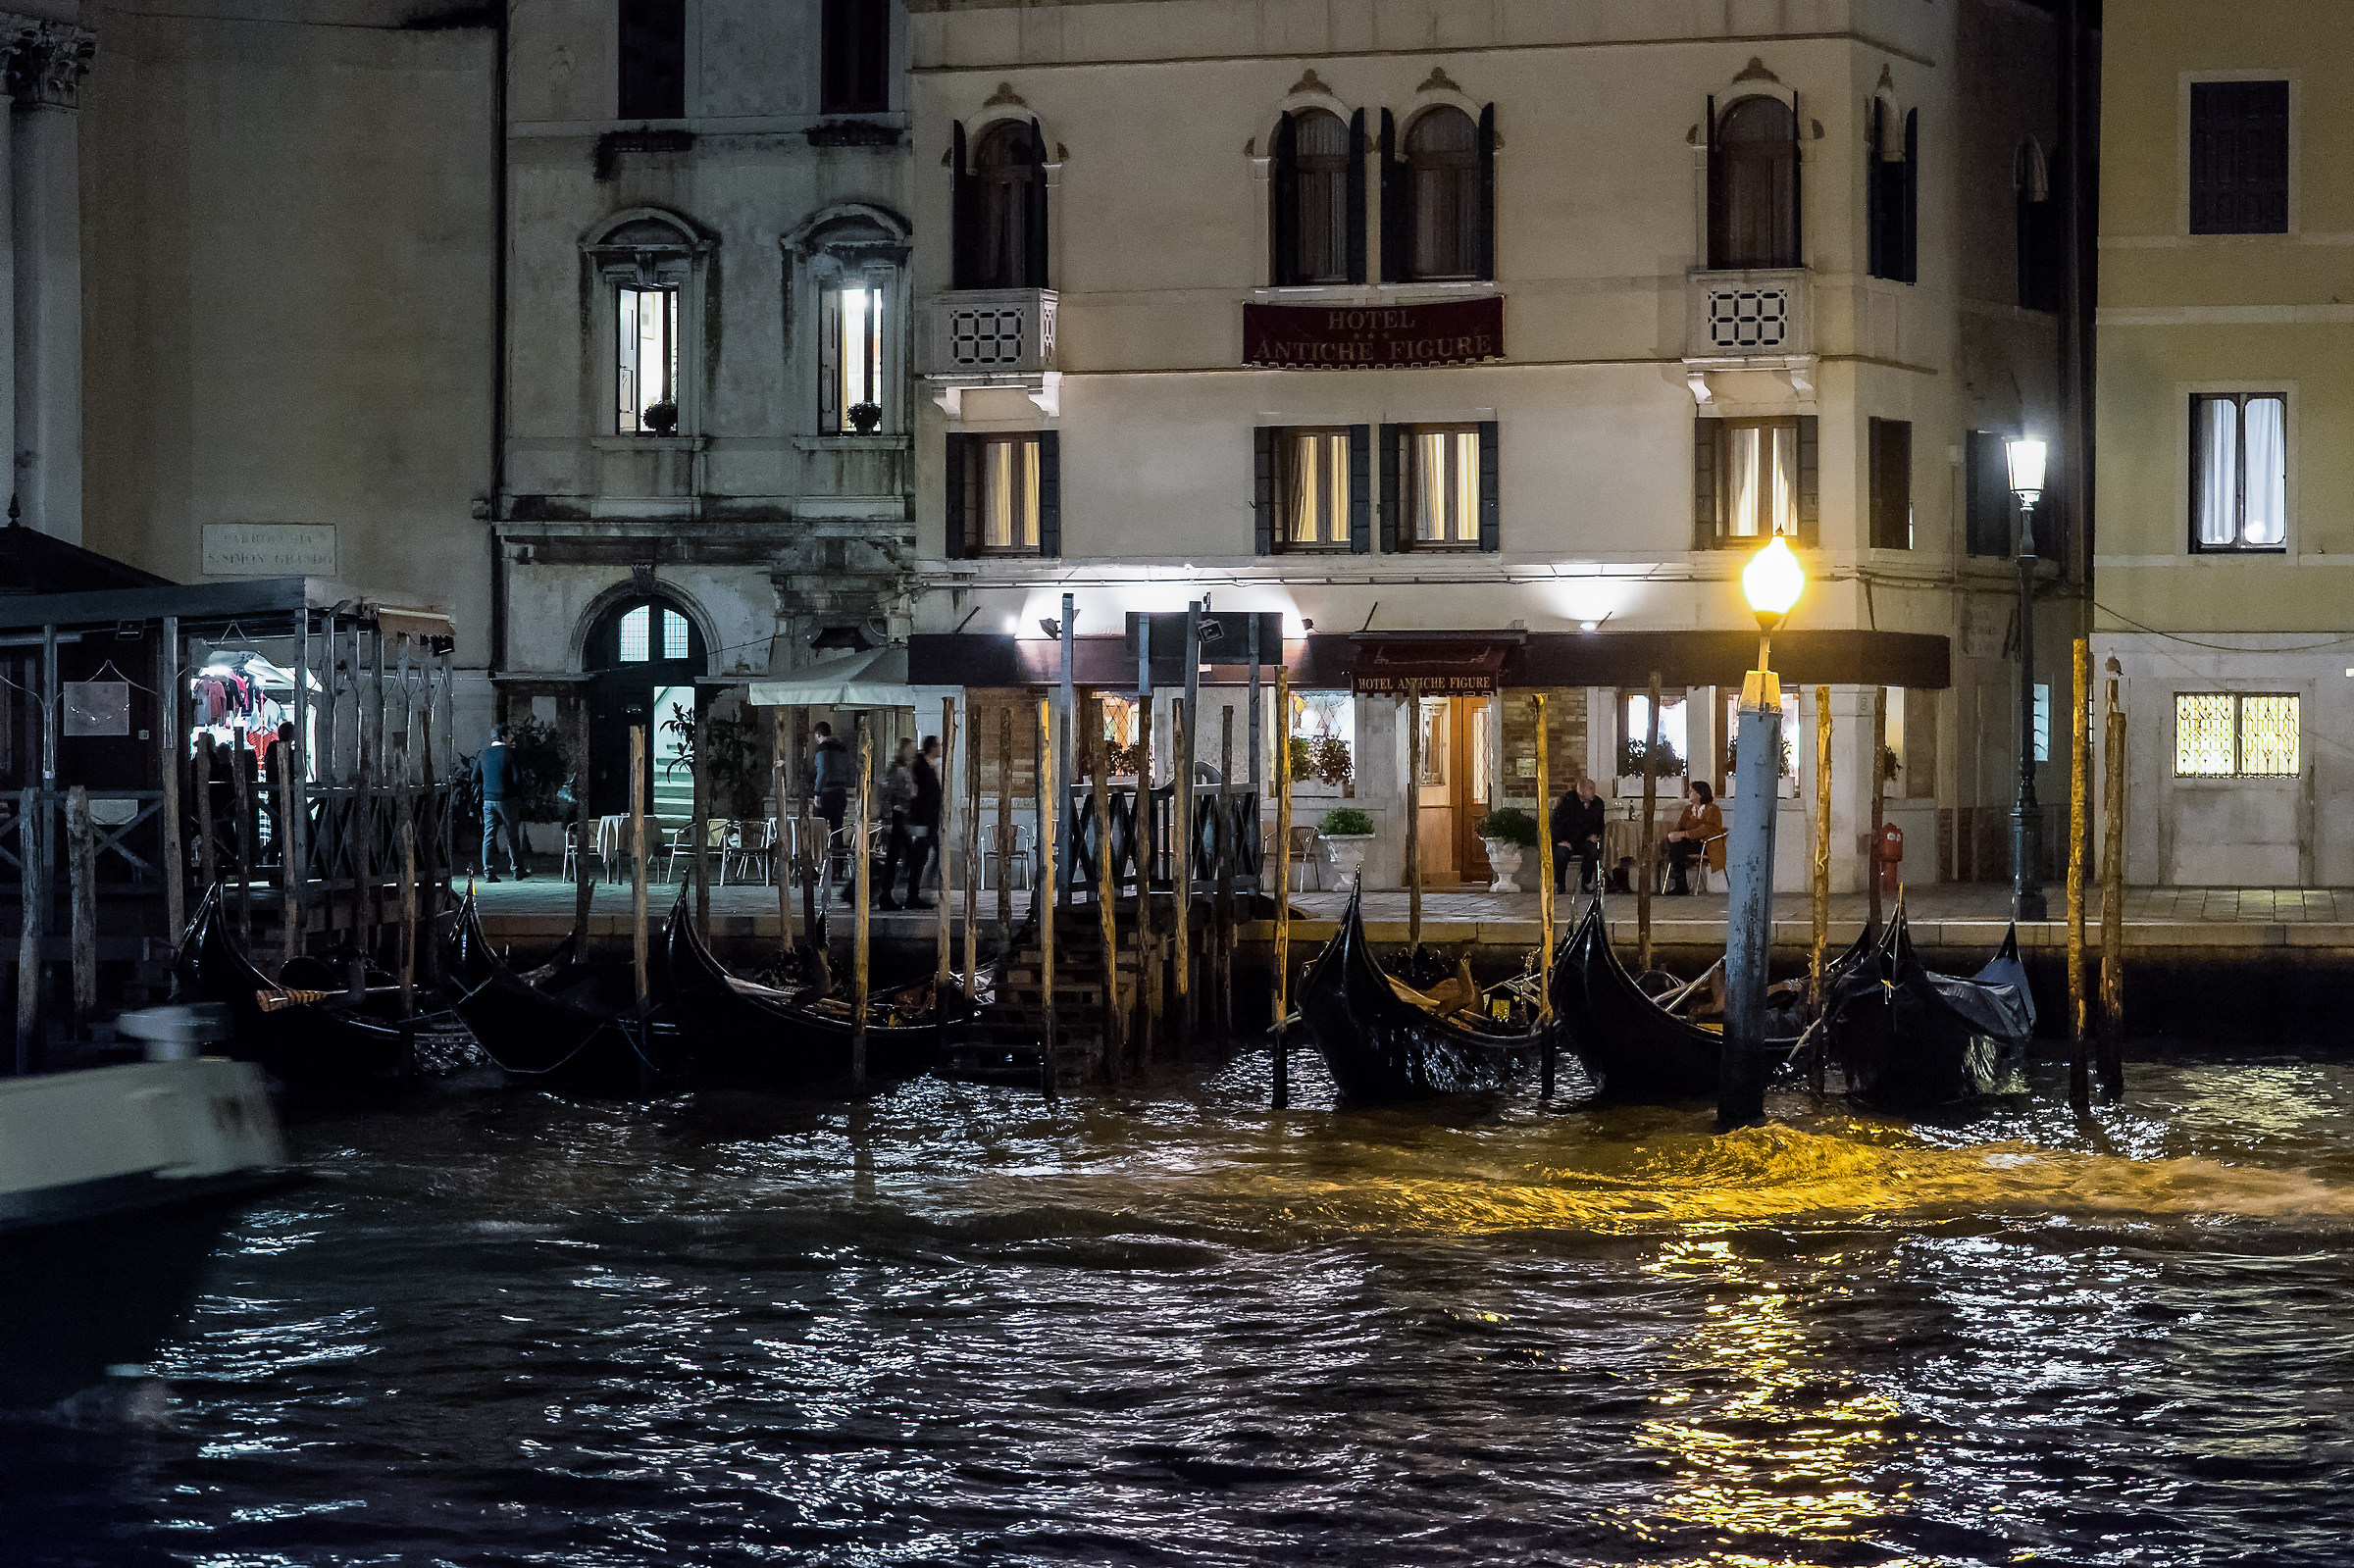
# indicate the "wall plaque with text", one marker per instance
pixel 269 549
pixel 1336 338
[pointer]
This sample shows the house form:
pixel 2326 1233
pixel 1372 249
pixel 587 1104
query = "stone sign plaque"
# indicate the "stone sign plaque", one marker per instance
pixel 269 549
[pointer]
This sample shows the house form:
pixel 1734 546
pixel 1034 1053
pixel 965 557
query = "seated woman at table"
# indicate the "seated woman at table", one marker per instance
pixel 1699 832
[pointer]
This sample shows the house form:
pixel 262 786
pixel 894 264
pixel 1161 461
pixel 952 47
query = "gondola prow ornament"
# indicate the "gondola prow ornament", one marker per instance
pixel 1771 582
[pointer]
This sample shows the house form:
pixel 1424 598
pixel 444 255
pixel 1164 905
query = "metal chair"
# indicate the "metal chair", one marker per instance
pixel 994 853
pixel 1301 854
pixel 572 850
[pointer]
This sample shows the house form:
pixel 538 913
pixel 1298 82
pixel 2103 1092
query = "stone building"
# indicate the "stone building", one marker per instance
pixel 1492 340
pixel 2226 532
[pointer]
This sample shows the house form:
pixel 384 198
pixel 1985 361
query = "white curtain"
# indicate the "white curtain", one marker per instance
pixel 2219 472
pixel 1785 479
pixel 1745 493
pixel 2267 461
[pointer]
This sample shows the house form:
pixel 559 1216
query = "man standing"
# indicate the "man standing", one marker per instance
pixel 898 790
pixel 923 822
pixel 832 784
pixel 1577 831
pixel 497 774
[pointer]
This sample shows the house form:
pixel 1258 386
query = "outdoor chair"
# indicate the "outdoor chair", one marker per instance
pixel 1304 854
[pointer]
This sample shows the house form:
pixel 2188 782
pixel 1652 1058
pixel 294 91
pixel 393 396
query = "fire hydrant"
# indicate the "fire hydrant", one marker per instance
pixel 1890 852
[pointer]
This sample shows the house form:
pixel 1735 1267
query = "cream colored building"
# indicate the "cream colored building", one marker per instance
pixel 2225 538
pixel 1611 290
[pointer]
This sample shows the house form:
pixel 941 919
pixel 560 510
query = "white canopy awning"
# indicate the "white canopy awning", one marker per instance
pixel 875 678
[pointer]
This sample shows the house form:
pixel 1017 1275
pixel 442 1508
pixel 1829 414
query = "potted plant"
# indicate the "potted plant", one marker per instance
pixel 864 416
pixel 739 770
pixel 1348 833
pixel 662 418
pixel 1505 830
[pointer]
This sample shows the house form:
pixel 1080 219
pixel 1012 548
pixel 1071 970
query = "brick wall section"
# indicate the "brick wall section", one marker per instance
pixel 1566 719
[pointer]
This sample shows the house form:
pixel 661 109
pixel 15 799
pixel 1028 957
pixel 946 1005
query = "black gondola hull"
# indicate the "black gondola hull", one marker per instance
pixel 1910 1039
pixel 577 1032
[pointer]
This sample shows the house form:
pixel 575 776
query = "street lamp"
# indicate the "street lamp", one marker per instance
pixel 2027 455
pixel 1772 581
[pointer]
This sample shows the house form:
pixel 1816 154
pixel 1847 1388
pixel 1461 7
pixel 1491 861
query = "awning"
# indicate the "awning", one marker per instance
pixel 874 678
pixel 1450 668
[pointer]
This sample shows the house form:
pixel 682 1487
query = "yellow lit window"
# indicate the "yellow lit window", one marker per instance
pixel 2223 735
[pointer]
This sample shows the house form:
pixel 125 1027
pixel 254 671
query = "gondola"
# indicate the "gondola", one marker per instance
pixel 748 1036
pixel 328 1047
pixel 1641 1051
pixel 1908 1037
pixel 1380 1047
pixel 578 1032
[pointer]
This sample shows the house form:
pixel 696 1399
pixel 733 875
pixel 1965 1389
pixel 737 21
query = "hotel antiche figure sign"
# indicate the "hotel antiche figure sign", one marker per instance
pixel 1373 336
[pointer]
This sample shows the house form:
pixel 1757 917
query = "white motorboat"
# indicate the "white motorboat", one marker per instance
pixel 114 1183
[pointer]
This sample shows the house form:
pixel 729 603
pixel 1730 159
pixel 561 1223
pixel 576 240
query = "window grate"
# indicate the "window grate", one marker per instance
pixel 993 337
pixel 1748 321
pixel 2223 735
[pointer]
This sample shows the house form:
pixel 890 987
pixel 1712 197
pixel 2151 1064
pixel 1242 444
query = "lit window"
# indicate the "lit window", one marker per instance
pixel 2222 735
pixel 2238 473
pixel 2043 723
pixel 1323 715
pixel 674 634
pixel 635 628
pixel 1636 728
pixel 1315 488
pixel 1010 493
pixel 648 361
pixel 1443 478
pixel 1434 743
pixel 1761 481
pixel 857 371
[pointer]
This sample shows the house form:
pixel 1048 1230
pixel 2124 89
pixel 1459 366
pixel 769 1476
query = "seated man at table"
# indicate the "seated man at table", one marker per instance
pixel 1699 835
pixel 1577 831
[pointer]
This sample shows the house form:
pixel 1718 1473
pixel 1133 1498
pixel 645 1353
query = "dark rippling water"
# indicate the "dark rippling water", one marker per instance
pixel 958 1328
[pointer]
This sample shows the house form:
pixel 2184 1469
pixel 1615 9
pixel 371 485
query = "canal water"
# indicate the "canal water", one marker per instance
pixel 959 1328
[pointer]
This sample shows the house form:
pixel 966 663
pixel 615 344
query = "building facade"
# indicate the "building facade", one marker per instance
pixel 1486 345
pixel 2225 538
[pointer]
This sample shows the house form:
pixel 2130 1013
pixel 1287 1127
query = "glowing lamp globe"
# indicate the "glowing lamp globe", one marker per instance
pixel 1772 579
pixel 2027 456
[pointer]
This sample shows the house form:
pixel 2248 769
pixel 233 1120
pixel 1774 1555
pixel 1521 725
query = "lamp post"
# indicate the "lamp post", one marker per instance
pixel 2027 456
pixel 1771 582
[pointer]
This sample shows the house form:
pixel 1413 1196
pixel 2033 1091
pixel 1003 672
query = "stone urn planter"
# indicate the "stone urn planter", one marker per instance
pixel 1347 851
pixel 1504 861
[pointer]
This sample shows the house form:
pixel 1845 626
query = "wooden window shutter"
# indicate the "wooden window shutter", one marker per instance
pixel 1809 485
pixel 1483 262
pixel 1716 241
pixel 829 358
pixel 1397 207
pixel 1283 267
pixel 1798 172
pixel 1909 264
pixel 1704 435
pixel 1875 195
pixel 1049 494
pixel 1361 489
pixel 1391 435
pixel 958 491
pixel 1034 212
pixel 1491 529
pixel 964 214
pixel 1356 197
pixel 1263 489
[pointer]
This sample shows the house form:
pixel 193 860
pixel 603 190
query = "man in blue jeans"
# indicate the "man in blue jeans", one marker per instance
pixel 495 770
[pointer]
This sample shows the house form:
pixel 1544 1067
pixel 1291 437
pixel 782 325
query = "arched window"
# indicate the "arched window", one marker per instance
pixel 1000 216
pixel 1319 199
pixel 1892 193
pixel 1753 187
pixel 650 261
pixel 1442 155
pixel 643 655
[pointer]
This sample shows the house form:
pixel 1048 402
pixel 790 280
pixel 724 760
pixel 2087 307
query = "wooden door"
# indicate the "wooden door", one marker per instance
pixel 1472 786
pixel 1434 793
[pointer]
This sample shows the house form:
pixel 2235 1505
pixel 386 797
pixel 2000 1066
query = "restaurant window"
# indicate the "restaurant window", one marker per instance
pixel 1004 494
pixel 1753 185
pixel 2239 157
pixel 1635 730
pixel 1432 714
pixel 851 358
pixel 1000 218
pixel 854 74
pixel 1438 196
pixel 653 59
pixel 1319 199
pixel 1892 195
pixel 1891 444
pixel 2238 472
pixel 1322 735
pixel 1753 478
pixel 646 360
pixel 2225 734
pixel 1311 489
pixel 1439 487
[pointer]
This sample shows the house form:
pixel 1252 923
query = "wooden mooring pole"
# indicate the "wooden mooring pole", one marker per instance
pixel 943 966
pixel 279 758
pixel 862 871
pixel 1413 821
pixel 784 857
pixel 640 954
pixel 33 851
pixel 972 858
pixel 1042 899
pixel 172 745
pixel 1546 851
pixel 2079 768
pixel 405 809
pixel 1647 872
pixel 583 880
pixel 1878 775
pixel 698 826
pixel 1147 946
pixel 1006 828
pixel 2113 892
pixel 1181 862
pixel 1821 935
pixel 1282 885
pixel 207 849
pixel 1222 901
pixel 1107 889
pixel 81 872
pixel 240 773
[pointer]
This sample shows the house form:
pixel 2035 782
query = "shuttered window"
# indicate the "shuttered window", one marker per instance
pixel 1988 526
pixel 1441 481
pixel 1892 192
pixel 2239 158
pixel 1000 217
pixel 1319 201
pixel 855 48
pixel 1753 187
pixel 1753 478
pixel 1004 494
pixel 1891 444
pixel 1438 196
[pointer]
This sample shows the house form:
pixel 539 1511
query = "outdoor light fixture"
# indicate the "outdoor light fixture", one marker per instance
pixel 2027 456
pixel 1771 582
pixel 1051 626
pixel 1589 625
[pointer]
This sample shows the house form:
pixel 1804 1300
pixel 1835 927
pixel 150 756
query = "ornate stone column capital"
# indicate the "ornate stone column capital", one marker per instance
pixel 45 60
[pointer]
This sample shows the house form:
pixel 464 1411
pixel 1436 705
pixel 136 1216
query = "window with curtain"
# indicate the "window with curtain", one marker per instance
pixel 646 360
pixel 2239 158
pixel 1759 478
pixel 2239 471
pixel 1442 158
pixel 654 60
pixel 853 361
pixel 1442 485
pixel 1753 187
pixel 1315 491
pixel 2228 734
pixel 1009 493
pixel 1321 155
pixel 1003 167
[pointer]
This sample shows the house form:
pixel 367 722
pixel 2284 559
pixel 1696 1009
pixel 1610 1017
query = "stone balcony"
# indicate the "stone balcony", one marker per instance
pixel 1749 320
pixel 985 340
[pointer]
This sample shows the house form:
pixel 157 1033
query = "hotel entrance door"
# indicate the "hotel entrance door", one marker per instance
pixel 1456 787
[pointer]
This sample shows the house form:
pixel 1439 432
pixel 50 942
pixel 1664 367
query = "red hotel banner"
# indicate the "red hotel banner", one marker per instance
pixel 1372 336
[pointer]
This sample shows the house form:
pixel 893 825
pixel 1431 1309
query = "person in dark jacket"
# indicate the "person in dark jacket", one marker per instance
pixel 495 772
pixel 833 775
pixel 1577 831
pixel 898 792
pixel 923 824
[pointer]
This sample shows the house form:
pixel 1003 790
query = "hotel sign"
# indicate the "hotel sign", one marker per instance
pixel 1455 667
pixel 1373 336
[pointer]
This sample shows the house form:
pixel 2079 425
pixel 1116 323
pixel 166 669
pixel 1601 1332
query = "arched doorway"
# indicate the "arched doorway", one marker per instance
pixel 643 656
